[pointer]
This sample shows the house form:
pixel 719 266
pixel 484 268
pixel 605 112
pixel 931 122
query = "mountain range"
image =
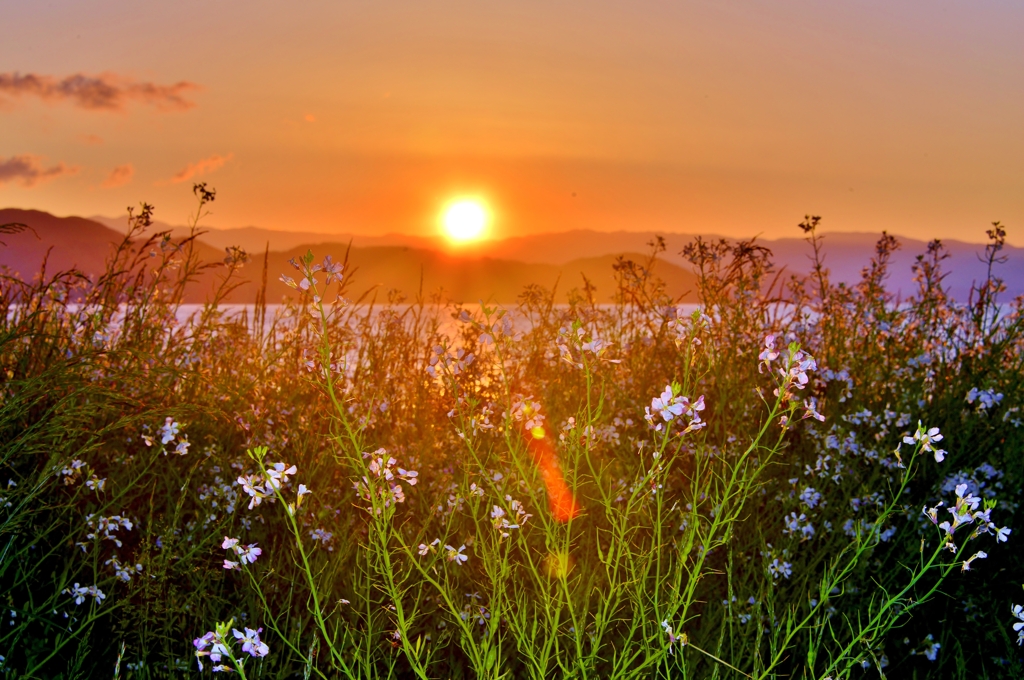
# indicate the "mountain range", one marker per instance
pixel 497 271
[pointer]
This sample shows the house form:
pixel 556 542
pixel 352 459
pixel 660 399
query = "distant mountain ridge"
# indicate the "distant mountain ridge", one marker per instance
pixel 846 254
pixel 374 270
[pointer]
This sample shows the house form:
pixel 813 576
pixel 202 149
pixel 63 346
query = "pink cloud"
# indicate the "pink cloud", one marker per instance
pixel 28 170
pixel 119 176
pixel 201 167
pixel 105 92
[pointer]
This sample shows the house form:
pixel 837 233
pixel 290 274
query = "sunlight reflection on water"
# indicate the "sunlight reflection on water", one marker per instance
pixel 446 314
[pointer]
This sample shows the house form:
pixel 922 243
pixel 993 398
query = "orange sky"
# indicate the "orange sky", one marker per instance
pixel 366 117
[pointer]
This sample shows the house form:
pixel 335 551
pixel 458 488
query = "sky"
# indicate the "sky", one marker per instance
pixel 734 118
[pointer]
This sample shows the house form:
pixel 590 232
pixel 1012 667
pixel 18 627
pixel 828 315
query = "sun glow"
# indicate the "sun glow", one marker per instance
pixel 465 220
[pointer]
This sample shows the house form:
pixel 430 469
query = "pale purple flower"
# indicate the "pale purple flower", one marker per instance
pixel 768 355
pixel 672 637
pixel 217 648
pixel 667 405
pixel 249 553
pixel 251 643
pixel 780 569
pixel 332 268
pixel 169 431
pixel 81 592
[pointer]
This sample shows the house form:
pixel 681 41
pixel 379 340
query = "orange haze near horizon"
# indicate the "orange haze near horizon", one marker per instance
pixel 360 118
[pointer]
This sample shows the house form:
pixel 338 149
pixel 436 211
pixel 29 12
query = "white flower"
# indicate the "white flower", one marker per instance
pixel 1018 611
pixel 1003 535
pixel 279 473
pixel 303 491
pixel 980 555
pixel 456 556
pixel 926 438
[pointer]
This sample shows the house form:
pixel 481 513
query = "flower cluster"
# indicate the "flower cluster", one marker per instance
pixel 527 411
pixel 926 439
pixel 167 432
pixel 451 554
pixel 575 341
pixel 108 526
pixel 445 362
pixel 216 645
pixel 122 571
pixel 501 328
pixel 81 592
pixel 500 518
pixel 688 327
pixel 263 486
pixel 779 568
pixel 966 511
pixel 324 537
pixel 73 472
pixel 381 466
pixel 798 525
pixel 986 398
pixel 309 270
pixel 671 404
pixel 793 368
pixel 247 554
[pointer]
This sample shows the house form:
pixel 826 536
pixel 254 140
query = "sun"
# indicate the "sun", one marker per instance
pixel 465 220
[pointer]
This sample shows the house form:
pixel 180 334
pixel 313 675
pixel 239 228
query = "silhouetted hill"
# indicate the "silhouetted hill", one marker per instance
pixel 72 242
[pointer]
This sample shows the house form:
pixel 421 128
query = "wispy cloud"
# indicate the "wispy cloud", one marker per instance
pixel 105 92
pixel 28 170
pixel 201 167
pixel 119 176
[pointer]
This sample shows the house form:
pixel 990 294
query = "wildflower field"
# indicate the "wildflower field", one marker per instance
pixel 799 479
